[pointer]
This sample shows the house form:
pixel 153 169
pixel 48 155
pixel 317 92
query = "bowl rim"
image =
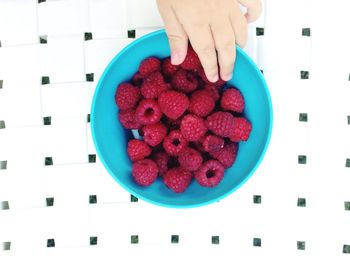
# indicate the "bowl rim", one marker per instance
pixel 125 186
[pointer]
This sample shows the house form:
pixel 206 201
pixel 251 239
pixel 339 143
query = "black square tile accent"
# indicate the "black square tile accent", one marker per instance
pixel 50 201
pixel 93 241
pixel 306 32
pixel 301 245
pixel 348 78
pixel 4 205
pixel 0 43
pixel 347 163
pixel 302 159
pixel 1 83
pixel 41 1
pixel 3 165
pixel 256 242
pixel 349 120
pixel 92 199
pixel 6 246
pixel 174 239
pixel 88 119
pixel 262 71
pixel 90 77
pixel 304 74
pixel 133 199
pixel 257 199
pixel 43 39
pixel 301 202
pixel 87 36
pixel 303 117
pixel 45 80
pixel 346 249
pixel 51 242
pixel 347 206
pixel 132 33
pixel 260 31
pixel 215 240
pixel 134 239
pixel 48 161
pixel 47 120
pixel 2 125
pixel 92 158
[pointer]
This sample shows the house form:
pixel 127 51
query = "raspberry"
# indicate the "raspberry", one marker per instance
pixel 213 143
pixel 138 150
pixel 153 85
pixel 149 65
pixel 201 103
pixel 174 142
pixel 161 159
pixel 241 130
pixel 227 155
pixel 201 73
pixel 153 134
pixel 221 123
pixel 169 69
pixel 128 120
pixel 148 112
pixel 210 173
pixel 193 127
pixel 127 96
pixel 173 104
pixel 191 61
pixel 137 79
pixel 190 159
pixel 177 179
pixel 232 100
pixel 144 172
pixel 184 81
pixel 213 91
pixel 198 146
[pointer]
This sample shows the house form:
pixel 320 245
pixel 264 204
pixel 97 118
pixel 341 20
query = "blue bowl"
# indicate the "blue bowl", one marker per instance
pixel 111 138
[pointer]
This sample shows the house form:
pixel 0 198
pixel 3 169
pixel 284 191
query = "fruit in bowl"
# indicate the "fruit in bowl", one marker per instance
pixel 194 134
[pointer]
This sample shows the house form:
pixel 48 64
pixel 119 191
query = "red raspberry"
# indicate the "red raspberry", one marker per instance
pixel 161 159
pixel 138 150
pixel 241 130
pixel 191 61
pixel 174 142
pixel 198 146
pixel 221 123
pixel 153 134
pixel 213 91
pixel 153 85
pixel 201 103
pixel 232 100
pixel 149 65
pixel 210 173
pixel 169 69
pixel 193 127
pixel 213 143
pixel 227 155
pixel 177 179
pixel 201 73
pixel 144 172
pixel 173 104
pixel 184 81
pixel 190 159
pixel 128 120
pixel 127 96
pixel 148 112
pixel 137 79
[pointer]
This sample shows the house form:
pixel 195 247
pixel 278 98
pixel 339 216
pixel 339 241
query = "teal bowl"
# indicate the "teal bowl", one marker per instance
pixel 111 138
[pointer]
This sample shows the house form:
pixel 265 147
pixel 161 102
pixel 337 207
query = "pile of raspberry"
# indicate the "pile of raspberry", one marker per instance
pixel 190 127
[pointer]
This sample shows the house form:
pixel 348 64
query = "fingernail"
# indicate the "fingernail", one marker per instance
pixel 175 58
pixel 213 78
pixel 227 77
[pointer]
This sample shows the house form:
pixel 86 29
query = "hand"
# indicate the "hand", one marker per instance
pixel 212 26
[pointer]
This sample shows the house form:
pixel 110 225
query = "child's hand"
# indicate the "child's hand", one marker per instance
pixel 210 25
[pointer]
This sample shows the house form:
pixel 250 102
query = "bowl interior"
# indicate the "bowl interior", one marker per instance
pixel 111 138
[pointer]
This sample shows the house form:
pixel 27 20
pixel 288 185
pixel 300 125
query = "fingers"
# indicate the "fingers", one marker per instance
pixel 202 42
pixel 253 9
pixel 239 25
pixel 224 38
pixel 177 36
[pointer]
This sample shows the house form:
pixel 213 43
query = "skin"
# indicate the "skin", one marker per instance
pixel 213 27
